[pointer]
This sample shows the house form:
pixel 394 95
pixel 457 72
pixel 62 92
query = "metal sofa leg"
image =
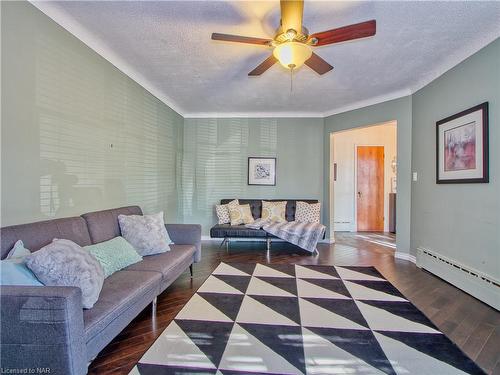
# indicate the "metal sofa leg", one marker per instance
pixel 191 270
pixel 155 302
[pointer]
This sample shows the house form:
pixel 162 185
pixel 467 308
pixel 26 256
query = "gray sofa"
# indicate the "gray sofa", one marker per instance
pixel 46 327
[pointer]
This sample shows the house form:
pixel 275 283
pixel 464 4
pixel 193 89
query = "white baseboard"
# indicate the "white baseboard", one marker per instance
pixel 327 240
pixel 208 238
pixel 405 256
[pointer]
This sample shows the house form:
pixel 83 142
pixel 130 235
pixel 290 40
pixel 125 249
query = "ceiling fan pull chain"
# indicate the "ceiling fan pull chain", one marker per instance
pixel 291 79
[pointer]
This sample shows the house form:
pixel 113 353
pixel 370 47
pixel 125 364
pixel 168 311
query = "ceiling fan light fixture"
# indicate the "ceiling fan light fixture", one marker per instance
pixel 292 55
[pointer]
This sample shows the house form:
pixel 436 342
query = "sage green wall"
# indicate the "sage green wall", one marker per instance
pixel 215 161
pixel 399 110
pixel 63 107
pixel 460 221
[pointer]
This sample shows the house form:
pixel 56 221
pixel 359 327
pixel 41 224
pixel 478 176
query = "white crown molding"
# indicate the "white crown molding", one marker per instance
pixel 351 107
pixel 369 102
pixel 456 59
pixel 73 27
pixel 254 115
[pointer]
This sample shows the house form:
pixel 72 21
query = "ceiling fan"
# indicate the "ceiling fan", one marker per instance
pixel 292 44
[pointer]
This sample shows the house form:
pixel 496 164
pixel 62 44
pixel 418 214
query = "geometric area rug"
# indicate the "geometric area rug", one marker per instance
pixel 301 319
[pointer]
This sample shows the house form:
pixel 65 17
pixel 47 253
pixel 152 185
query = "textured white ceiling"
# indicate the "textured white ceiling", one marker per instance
pixel 166 47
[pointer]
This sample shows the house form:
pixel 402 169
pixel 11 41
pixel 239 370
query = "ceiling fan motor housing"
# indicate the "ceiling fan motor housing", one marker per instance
pixel 291 35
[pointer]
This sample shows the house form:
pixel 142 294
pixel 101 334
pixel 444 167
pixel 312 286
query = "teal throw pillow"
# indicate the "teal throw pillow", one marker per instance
pixel 114 254
pixel 13 270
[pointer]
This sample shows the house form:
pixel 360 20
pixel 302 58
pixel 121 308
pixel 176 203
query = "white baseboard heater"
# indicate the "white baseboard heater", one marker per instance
pixel 482 286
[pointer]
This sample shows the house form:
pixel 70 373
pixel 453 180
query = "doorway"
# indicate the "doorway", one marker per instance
pixel 370 188
pixel 367 154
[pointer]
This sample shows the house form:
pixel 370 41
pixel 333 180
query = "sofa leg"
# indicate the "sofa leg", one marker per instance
pixel 268 249
pixel 191 270
pixel 155 301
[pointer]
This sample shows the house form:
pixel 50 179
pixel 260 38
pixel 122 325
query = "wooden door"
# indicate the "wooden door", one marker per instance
pixel 370 188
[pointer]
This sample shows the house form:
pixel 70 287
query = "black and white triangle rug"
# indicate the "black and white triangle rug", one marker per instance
pixel 294 319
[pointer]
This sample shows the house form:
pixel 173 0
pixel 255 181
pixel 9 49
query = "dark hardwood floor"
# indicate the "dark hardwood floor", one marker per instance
pixel 472 325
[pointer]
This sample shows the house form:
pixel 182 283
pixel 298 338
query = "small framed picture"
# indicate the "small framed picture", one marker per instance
pixel 462 147
pixel 261 171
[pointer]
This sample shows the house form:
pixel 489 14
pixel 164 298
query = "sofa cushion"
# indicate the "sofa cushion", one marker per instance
pixel 120 291
pixel 227 230
pixel 39 234
pixel 103 225
pixel 164 263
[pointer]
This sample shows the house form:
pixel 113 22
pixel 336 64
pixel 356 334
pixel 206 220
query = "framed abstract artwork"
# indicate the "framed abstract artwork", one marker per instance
pixel 261 171
pixel 462 147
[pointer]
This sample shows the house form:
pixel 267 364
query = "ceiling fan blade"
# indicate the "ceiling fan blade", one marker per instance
pixel 342 34
pixel 317 64
pixel 266 64
pixel 240 39
pixel 291 14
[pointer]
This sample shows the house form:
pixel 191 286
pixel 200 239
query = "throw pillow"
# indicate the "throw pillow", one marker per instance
pixel 113 255
pixel 241 214
pixel 18 251
pixel 64 263
pixel 146 233
pixel 274 211
pixel 222 211
pixel 308 212
pixel 13 270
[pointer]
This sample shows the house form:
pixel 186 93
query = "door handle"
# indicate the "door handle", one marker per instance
pixel 359 194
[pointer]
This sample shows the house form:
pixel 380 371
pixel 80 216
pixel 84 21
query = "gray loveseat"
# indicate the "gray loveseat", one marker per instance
pixel 46 327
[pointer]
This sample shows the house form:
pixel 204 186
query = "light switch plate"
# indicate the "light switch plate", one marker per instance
pixel 415 176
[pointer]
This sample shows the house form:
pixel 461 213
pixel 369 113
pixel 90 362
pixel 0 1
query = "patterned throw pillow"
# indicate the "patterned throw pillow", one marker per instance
pixel 308 212
pixel 64 263
pixel 146 233
pixel 274 211
pixel 222 211
pixel 241 214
